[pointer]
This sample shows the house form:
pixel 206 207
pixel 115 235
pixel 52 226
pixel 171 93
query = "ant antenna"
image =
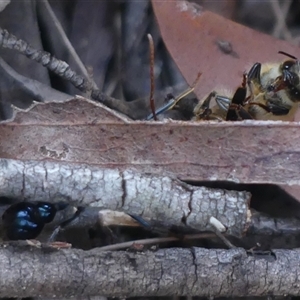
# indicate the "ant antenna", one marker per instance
pixel 152 103
pixel 173 101
pixel 189 90
pixel 288 55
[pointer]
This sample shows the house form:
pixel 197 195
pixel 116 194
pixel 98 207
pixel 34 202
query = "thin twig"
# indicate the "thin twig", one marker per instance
pixel 224 239
pixel 155 241
pixel 152 103
pixel 55 65
pixel 63 70
pixel 67 44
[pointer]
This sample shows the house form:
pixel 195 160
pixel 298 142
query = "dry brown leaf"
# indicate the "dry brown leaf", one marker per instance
pixel 82 131
pixel 192 35
pixel 201 41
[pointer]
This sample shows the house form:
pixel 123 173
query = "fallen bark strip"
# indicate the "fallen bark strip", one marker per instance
pixel 80 131
pixel 151 196
pixel 193 272
pixel 189 20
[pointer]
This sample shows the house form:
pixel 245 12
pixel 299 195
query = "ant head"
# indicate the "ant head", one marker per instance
pixel 289 64
pixel 290 70
pixel 290 79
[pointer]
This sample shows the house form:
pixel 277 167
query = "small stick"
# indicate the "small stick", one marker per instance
pixel 218 229
pixel 158 240
pixel 152 103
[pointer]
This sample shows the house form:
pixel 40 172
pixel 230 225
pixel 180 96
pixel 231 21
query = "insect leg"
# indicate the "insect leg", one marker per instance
pixel 274 108
pixel 66 223
pixel 164 229
pixel 242 113
pixel 236 110
pixel 202 110
pixel 169 105
pixel 174 100
pixel 141 221
pixel 152 226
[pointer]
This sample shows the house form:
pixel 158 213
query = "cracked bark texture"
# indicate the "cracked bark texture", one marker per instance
pixel 155 197
pixel 193 272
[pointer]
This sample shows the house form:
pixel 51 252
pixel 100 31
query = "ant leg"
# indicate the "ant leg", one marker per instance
pixel 141 221
pixel 274 108
pixel 149 226
pixel 287 80
pixel 202 110
pixel 163 229
pixel 173 101
pixel 189 90
pixel 66 223
pixel 237 103
pixel 278 110
pixel 279 83
pixel 242 113
pixel 170 104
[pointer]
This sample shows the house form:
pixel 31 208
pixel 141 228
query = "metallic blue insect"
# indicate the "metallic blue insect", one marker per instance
pixel 26 220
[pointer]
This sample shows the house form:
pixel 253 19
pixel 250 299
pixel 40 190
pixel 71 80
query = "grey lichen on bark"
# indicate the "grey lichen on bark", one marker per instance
pixel 158 197
pixel 182 272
